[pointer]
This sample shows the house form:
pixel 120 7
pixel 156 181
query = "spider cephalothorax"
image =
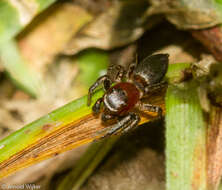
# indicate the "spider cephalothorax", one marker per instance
pixel 120 99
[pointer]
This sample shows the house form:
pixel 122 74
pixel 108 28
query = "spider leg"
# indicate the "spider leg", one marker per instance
pixel 131 68
pixel 106 83
pixel 128 122
pixel 154 87
pixel 151 108
pixel 119 72
pixel 106 117
pixel 96 107
pixel 132 125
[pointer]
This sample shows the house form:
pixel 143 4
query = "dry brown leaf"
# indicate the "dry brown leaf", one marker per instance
pixel 48 33
pixel 95 7
pixel 211 38
pixel 194 14
pixel 214 167
pixel 122 24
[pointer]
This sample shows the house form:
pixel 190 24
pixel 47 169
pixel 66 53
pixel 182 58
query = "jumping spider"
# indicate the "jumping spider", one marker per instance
pixel 127 92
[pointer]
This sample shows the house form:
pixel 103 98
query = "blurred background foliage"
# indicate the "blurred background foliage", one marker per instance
pixel 52 51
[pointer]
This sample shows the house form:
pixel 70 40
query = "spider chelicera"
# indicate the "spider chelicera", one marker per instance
pixel 129 89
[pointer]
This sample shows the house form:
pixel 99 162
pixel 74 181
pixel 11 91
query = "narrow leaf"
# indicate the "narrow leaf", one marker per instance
pixel 85 166
pixel 61 130
pixel 185 139
pixel 14 15
pixel 214 141
pixel 17 69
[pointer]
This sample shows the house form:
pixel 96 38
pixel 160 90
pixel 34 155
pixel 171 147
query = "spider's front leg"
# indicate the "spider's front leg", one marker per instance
pixel 124 124
pixel 131 68
pixel 117 71
pixel 105 80
pixel 97 106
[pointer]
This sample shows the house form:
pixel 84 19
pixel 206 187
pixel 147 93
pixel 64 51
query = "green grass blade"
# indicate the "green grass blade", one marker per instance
pixel 185 139
pixel 176 72
pixel 15 15
pixel 56 132
pixel 17 69
pixel 87 164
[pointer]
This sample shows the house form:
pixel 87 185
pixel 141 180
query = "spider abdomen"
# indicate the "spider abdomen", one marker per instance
pixel 121 98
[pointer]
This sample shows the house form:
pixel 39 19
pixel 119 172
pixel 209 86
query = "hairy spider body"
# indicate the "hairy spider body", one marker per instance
pixel 121 98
